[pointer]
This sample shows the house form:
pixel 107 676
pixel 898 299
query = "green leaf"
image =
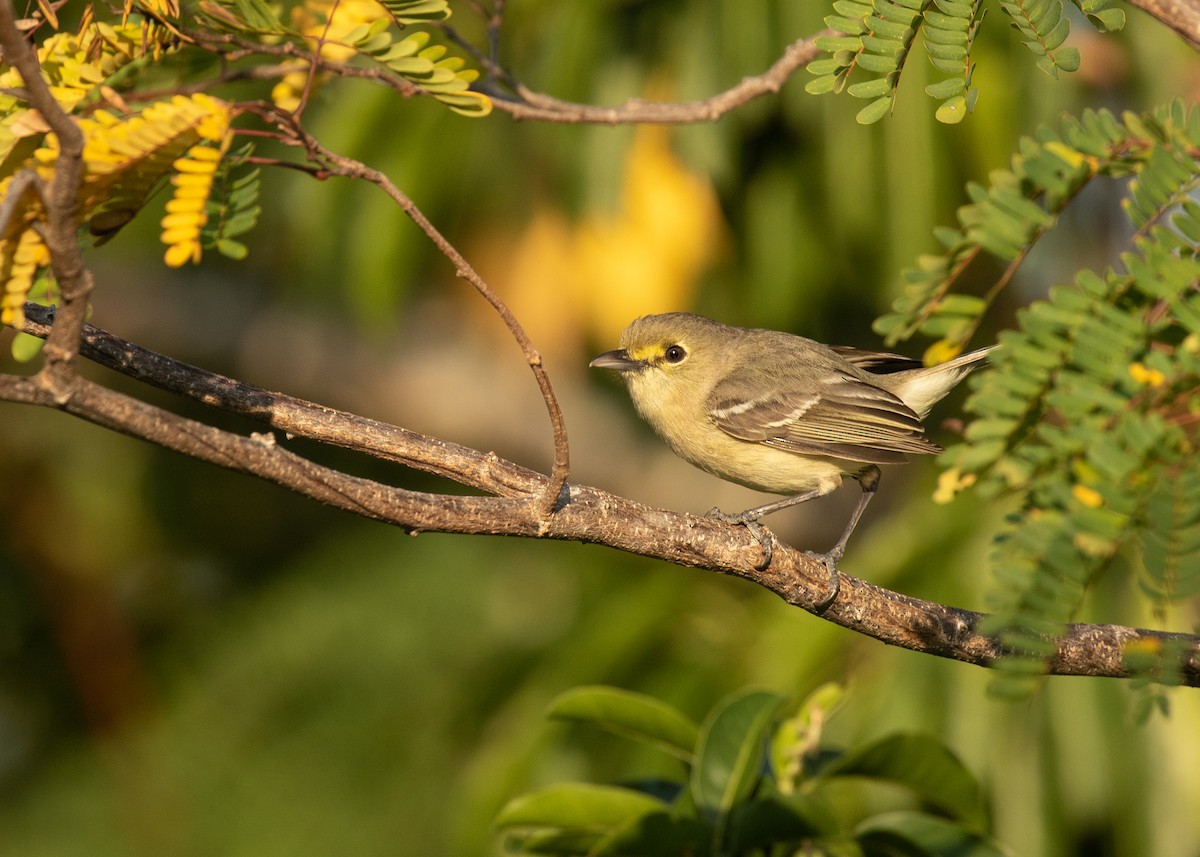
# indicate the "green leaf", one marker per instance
pixel 919 834
pixel 630 715
pixel 1067 59
pixel 232 249
pixel 955 52
pixel 920 762
pixel 1057 35
pixel 874 111
pixel 871 88
pixel 259 16
pixel 417 11
pixel 879 64
pixel 849 26
pixel 851 8
pixel 1108 20
pixel 946 88
pixel 953 110
pixel 821 85
pixel 580 808
pixel 832 44
pixel 731 750
pixel 824 66
pixel 947 22
pixel 901 30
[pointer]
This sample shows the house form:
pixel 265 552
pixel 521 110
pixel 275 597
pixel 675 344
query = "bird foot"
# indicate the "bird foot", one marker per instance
pixel 830 561
pixel 765 539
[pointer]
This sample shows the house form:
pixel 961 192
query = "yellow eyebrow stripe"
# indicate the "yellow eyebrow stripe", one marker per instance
pixel 647 352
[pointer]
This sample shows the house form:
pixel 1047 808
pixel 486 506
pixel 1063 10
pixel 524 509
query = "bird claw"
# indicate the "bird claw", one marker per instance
pixel 765 539
pixel 830 561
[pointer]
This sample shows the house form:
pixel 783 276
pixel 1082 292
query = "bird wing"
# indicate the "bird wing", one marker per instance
pixel 876 362
pixel 833 413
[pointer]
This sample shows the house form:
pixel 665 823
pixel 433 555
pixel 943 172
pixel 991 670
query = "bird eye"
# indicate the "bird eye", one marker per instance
pixel 675 353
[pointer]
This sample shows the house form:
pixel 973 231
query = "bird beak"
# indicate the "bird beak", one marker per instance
pixel 619 360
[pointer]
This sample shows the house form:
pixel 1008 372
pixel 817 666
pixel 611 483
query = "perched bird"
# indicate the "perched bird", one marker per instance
pixel 780 413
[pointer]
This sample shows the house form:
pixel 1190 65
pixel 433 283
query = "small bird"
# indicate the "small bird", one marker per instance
pixel 778 412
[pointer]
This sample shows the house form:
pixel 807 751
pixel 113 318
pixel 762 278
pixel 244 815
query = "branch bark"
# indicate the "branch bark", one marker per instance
pixel 589 514
pixel 520 102
pixel 1182 16
pixel 552 494
pixel 62 207
pixel 535 105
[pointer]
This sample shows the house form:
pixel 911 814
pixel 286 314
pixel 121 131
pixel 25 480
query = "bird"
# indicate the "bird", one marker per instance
pixel 778 412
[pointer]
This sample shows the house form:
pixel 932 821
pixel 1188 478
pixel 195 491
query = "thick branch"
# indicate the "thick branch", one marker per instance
pixel 487 472
pixel 589 515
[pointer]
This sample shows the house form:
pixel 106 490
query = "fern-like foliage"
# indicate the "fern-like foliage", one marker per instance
pixel 127 155
pixel 365 30
pixel 233 207
pixel 75 65
pixel 182 144
pixel 874 38
pixel 1043 29
pixel 1090 414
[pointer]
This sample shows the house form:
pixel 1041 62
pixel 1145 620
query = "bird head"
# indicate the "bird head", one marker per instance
pixel 674 344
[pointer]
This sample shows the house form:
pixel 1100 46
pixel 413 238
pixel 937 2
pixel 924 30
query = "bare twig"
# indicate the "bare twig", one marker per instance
pixel 62 209
pixel 535 105
pixel 592 515
pixel 510 96
pixel 553 495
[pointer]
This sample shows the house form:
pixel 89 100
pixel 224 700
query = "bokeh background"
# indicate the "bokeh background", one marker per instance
pixel 194 663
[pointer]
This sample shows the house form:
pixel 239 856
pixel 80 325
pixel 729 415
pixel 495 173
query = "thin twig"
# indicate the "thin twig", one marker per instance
pixel 554 492
pixel 521 102
pixel 535 105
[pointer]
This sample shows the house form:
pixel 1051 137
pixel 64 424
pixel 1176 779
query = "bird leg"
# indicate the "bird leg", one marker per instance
pixel 868 480
pixel 750 520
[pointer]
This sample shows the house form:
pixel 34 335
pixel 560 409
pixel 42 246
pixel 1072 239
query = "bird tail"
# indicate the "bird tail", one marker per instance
pixel 921 389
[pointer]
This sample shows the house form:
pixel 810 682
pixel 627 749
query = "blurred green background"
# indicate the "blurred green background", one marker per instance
pixel 193 662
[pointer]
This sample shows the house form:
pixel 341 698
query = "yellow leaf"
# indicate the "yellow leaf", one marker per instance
pixel 178 255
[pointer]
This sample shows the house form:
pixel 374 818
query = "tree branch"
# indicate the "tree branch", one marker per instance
pixel 552 494
pixel 535 105
pixel 590 515
pixel 1182 16
pixel 519 101
pixel 61 204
